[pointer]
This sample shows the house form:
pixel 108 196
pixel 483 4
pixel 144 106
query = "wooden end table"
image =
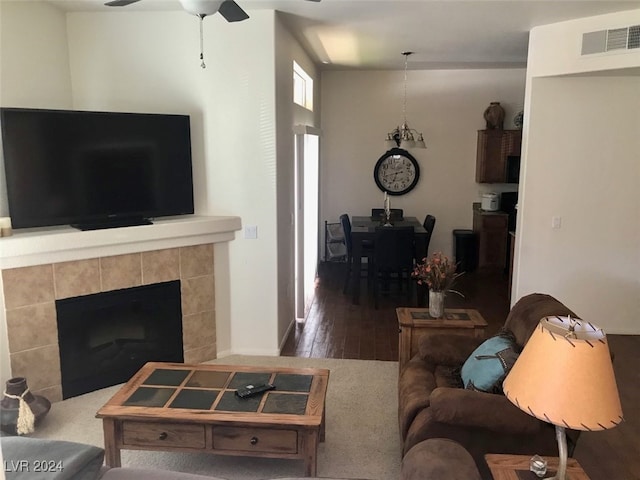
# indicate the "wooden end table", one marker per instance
pixel 516 467
pixel 194 408
pixel 415 323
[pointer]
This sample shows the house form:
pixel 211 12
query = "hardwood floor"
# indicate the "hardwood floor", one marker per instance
pixel 335 328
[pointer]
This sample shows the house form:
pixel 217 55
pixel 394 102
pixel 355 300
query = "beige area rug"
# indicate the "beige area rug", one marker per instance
pixel 362 438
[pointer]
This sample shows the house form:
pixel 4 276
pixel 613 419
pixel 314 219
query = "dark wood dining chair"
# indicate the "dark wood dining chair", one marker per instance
pixel 429 225
pixel 396 213
pixel 393 255
pixel 367 251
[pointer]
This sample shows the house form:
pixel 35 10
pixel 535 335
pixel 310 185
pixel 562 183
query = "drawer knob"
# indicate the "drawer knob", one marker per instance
pixel 163 436
pixel 254 440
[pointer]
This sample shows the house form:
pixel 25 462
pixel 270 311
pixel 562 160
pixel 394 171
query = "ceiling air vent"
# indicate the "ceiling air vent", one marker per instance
pixel 613 40
pixel 634 37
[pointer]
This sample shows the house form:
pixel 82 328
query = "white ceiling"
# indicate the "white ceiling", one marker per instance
pixel 368 34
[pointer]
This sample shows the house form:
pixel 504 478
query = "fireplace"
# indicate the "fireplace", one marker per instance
pixel 105 338
pixel 31 292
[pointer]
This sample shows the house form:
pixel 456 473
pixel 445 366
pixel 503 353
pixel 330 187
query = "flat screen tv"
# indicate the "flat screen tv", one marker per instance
pixel 95 169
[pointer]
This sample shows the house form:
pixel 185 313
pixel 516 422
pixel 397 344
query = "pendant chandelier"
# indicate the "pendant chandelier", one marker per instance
pixel 404 136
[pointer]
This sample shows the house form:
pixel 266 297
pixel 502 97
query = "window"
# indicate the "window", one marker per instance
pixel 302 87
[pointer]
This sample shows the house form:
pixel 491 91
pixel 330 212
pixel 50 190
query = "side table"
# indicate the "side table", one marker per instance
pixel 516 467
pixel 415 323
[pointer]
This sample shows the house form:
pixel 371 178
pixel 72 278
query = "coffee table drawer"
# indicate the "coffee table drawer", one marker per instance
pixel 255 440
pixel 163 434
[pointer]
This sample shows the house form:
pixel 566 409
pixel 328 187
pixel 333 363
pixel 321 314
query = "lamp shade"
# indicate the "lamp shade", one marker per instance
pixel 564 376
pixel 407 144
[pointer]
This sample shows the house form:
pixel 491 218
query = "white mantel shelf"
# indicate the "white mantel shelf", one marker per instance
pixel 38 246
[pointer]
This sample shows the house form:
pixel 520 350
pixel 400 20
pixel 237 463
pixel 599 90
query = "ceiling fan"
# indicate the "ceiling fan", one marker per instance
pixel 230 10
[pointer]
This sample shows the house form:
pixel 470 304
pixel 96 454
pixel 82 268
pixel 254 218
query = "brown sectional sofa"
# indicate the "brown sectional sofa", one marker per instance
pixel 433 404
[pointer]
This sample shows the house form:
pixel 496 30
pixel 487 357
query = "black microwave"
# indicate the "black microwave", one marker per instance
pixel 513 169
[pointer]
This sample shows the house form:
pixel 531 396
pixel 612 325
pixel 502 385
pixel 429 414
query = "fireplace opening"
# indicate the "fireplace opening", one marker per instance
pixel 106 337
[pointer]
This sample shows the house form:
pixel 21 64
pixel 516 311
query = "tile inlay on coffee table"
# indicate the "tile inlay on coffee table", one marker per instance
pixel 194 408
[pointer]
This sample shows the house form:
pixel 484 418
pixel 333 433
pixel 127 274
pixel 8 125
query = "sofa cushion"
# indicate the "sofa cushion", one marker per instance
pixel 448 377
pixel 151 474
pixel 488 365
pixel 526 314
pixel 53 459
pixel 438 459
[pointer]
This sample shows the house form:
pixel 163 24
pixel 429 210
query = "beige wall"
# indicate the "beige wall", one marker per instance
pixel 580 163
pixel 360 107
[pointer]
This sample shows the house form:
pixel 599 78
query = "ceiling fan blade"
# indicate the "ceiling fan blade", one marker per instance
pixel 120 3
pixel 313 0
pixel 232 12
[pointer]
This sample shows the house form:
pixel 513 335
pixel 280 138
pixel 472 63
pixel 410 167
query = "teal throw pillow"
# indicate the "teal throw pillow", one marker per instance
pixel 488 365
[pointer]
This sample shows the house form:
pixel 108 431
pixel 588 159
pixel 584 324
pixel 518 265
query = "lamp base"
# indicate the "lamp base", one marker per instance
pixel 561 437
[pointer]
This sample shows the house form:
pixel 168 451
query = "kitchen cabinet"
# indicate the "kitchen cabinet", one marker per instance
pixel 491 228
pixel 494 149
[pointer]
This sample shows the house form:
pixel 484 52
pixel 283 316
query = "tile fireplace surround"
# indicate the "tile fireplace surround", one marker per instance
pixel 44 265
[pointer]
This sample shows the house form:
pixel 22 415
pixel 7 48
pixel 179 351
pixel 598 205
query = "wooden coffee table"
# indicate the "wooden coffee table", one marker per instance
pixel 516 467
pixel 415 323
pixel 194 408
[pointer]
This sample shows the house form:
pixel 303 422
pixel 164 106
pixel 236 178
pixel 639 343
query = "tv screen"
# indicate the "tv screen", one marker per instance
pixel 95 169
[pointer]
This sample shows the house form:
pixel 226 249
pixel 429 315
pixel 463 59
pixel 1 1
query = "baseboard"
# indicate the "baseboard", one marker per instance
pixel 224 353
pixel 286 335
pixel 250 351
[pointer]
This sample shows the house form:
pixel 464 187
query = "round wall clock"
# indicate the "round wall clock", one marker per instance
pixel 396 172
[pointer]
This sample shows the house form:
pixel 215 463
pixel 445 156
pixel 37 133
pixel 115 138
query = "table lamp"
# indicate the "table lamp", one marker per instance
pixel 564 376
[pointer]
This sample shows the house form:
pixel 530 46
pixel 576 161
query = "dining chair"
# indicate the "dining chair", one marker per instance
pixel 396 213
pixel 367 251
pixel 393 255
pixel 429 224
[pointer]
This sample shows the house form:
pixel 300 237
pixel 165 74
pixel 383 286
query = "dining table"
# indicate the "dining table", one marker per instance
pixel 363 230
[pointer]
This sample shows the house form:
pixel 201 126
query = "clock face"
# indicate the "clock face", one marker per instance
pixel 396 172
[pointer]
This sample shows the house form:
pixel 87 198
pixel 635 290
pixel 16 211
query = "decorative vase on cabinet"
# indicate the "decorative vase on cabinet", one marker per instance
pixel 494 116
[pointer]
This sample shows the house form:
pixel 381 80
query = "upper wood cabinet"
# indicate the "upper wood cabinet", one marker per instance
pixel 494 147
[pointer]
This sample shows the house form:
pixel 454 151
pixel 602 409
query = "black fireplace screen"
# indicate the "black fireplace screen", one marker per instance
pixel 105 338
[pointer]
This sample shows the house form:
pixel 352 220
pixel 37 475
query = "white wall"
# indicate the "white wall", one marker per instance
pixel 580 163
pixel 360 107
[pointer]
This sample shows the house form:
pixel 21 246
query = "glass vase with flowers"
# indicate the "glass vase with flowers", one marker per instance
pixel 438 272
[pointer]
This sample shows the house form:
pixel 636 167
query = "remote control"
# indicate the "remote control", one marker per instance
pixel 249 390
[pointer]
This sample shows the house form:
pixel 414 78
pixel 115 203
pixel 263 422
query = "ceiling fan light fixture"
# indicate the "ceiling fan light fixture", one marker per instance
pixel 201 7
